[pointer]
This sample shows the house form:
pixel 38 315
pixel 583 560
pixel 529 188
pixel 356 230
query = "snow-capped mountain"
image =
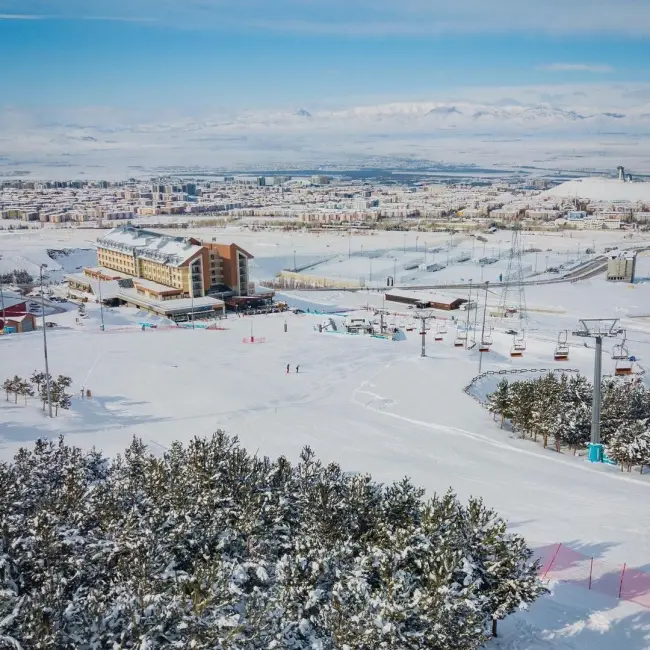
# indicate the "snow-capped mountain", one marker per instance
pixel 407 116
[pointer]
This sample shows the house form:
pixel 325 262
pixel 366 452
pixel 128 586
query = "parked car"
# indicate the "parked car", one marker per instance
pixel 50 323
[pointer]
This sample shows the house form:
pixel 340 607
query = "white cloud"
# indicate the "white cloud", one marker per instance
pixel 364 18
pixel 22 17
pixel 577 67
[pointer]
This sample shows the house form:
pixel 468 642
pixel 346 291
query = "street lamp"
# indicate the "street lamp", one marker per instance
pixel 47 367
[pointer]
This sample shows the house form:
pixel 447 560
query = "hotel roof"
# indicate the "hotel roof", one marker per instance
pixel 150 245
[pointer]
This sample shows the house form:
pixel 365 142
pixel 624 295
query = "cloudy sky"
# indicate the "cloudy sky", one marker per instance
pixel 254 53
pixel 111 75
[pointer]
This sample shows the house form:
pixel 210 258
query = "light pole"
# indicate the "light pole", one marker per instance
pixel 101 303
pixel 294 260
pixel 192 294
pixel 47 367
pixel 536 252
pixel 480 354
pixel 2 304
pixel 417 239
pixel 598 329
pixel 469 305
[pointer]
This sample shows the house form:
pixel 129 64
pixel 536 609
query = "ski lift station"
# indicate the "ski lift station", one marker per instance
pixel 425 299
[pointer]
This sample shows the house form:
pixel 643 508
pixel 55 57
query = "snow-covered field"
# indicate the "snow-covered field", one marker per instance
pixel 373 405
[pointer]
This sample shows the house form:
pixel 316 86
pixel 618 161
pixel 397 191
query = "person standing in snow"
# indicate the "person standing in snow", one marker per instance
pixel 83 392
pixel 297 369
pixel 288 368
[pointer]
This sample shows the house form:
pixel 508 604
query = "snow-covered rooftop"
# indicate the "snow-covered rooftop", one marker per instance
pixel 149 245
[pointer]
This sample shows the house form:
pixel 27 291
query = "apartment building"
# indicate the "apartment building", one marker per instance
pixel 175 267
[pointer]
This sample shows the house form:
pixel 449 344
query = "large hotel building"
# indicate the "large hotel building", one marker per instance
pixel 147 269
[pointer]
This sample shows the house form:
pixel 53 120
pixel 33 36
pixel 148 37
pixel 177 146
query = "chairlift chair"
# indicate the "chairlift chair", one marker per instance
pixel 562 347
pixel 439 336
pixel 624 367
pixel 486 341
pixel 620 351
pixel 519 345
pixel 461 338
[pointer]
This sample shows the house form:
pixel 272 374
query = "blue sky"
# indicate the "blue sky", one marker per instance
pixel 240 54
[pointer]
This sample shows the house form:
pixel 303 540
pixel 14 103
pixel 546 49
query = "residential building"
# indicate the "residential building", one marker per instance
pixel 622 268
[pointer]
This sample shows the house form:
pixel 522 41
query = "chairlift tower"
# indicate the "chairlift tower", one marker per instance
pixel 598 329
pixel 513 293
pixel 424 317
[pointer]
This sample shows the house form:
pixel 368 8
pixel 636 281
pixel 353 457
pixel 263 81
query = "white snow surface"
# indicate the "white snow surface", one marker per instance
pixel 602 189
pixel 372 406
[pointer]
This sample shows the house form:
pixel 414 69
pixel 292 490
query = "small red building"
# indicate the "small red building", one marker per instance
pixel 13 309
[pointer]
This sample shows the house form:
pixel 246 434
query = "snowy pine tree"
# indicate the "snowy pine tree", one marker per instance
pixel 208 546
pixel 499 401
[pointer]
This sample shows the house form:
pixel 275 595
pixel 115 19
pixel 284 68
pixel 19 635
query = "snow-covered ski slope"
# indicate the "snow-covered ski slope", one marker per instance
pixel 371 405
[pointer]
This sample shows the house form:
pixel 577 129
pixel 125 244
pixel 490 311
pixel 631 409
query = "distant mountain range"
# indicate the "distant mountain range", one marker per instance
pixel 463 117
pixel 507 132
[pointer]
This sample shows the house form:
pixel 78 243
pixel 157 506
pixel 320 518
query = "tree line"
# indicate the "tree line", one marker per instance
pixel 17 276
pixel 17 386
pixel 208 546
pixel 558 408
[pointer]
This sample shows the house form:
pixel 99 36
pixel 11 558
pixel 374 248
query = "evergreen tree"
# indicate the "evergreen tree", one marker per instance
pixel 499 401
pixel 25 389
pixel 38 378
pixel 622 445
pixel 209 547
pixel 15 385
pixel 8 387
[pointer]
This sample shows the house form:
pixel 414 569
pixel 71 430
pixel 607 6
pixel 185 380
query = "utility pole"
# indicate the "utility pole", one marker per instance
pixel 598 329
pixel 424 317
pixel 480 354
pixel 47 367
pixel 469 305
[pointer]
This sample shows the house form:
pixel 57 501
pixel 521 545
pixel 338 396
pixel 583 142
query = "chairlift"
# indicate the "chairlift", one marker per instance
pixel 562 347
pixel 519 345
pixel 439 336
pixel 624 368
pixel 442 327
pixel 461 337
pixel 620 351
pixel 486 341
